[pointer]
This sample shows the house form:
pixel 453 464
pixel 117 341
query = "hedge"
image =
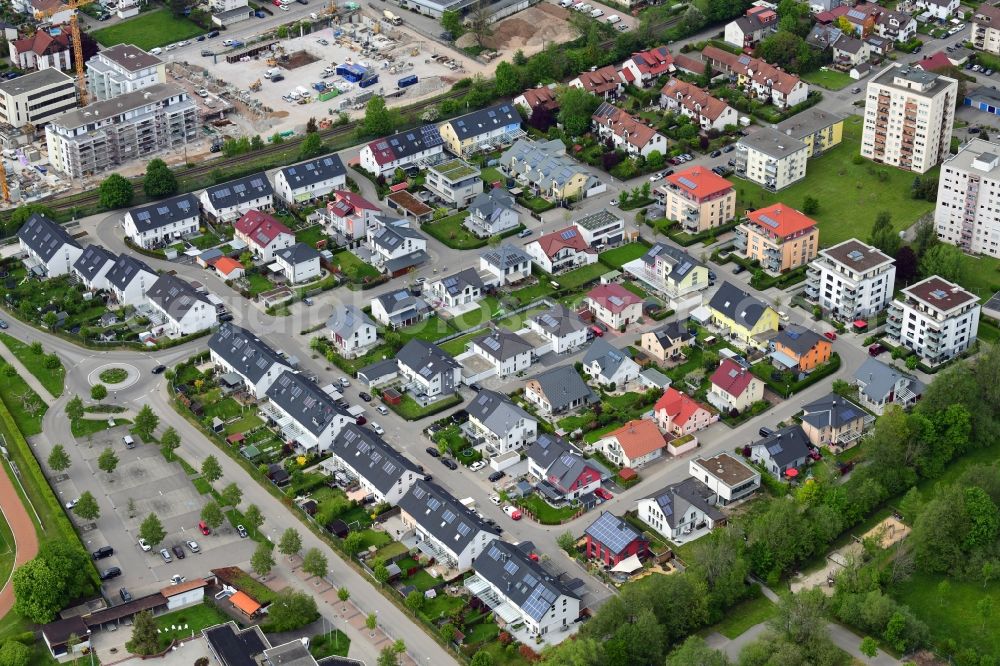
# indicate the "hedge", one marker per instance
pixel 685 239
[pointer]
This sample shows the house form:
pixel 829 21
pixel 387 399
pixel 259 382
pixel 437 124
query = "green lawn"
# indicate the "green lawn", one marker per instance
pixel 952 615
pixel 194 619
pixel 257 283
pixel 430 329
pixel 86 427
pixel 374 538
pixel 457 345
pixel 830 79
pixel 517 321
pixel 488 309
pixel 620 256
pixel 411 411
pixel 850 195
pixel 24 404
pixel 311 236
pixel 449 230
pixel 53 379
pixel 352 267
pixel 581 276
pixel 206 241
pixel 7 548
pixel 532 292
pixel 224 408
pixel 744 615
pixel 422 580
pixel 247 422
pixel 545 513
pixel 202 486
pixel 334 643
pixel 980 275
pixel 491 175
pixel 148 30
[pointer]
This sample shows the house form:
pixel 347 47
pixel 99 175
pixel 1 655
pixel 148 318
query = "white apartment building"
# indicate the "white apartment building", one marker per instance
pixel 771 159
pixel 36 98
pixel 908 118
pixel 93 140
pixel 986 28
pixel 851 280
pixel 934 318
pixel 968 199
pixel 121 69
pixel 728 477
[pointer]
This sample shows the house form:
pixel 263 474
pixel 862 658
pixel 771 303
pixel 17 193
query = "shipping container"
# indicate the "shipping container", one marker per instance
pixel 369 82
pixel 407 81
pixel 328 95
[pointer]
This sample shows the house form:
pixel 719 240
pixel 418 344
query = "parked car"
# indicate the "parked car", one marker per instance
pixel 145 546
pixel 765 432
pixel 377 428
pixel 345 382
pixel 496 476
pixel 3 324
pixel 112 572
pixel 165 554
pixel 365 396
pixel 125 595
pixel 739 268
pixel 525 233
pixel 478 465
pixel 715 153
pixel 513 512
pixel 73 502
pixel 495 499
pixel 242 531
pixel 103 551
pixel 432 452
pixel 204 528
pixel 159 370
pixel 603 494
pixel 875 349
pixel 830 335
pixel 193 546
pixel 449 463
pixel 382 409
pixel 475 387
pixel 729 148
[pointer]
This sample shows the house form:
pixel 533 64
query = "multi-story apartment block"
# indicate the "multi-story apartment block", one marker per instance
pixel 698 199
pixel 779 237
pixel 456 181
pixel 986 28
pixel 105 134
pixel 818 129
pixel 36 98
pixel 851 280
pixel 771 158
pixel 969 198
pixel 935 318
pixel 908 118
pixel 121 69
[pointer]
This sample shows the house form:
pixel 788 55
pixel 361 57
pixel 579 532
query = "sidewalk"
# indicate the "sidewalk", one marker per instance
pixel 29 378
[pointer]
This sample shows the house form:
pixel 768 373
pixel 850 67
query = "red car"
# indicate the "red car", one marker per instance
pixel 603 494
pixel 597 330
pixel 830 335
pixel 875 350
pixel 204 528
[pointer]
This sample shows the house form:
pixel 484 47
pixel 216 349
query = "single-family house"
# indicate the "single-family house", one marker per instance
pixel 609 365
pixel 604 82
pixel 494 420
pixel 783 452
pixel 351 331
pixel 454 181
pixel 562 327
pixel 396 248
pixel 230 200
pixel 492 213
pixel 461 288
pixel 601 228
pixel 422 145
pixel 734 387
pixel 298 263
pixel 542 97
pixel 129 279
pixel 645 67
pixel 305 415
pixel 445 528
pixel 896 25
pixel 823 36
pixel 508 352
pixel 747 31
pixel 48 248
pixel 235 349
pixel 939 9
pixel 681 509
pixel 497 125
pixel 428 369
pixel 310 180
pixel 228 268
pixel 400 308
pixel 880 385
pixel 614 305
pixel 162 222
pixel 707 112
pixel 728 477
pixel 263 234
pixel 561 469
pixel 799 348
pixel 634 444
pixel 627 132
pixel 679 414
pixel 42 50
pixel 507 263
pixel 669 271
pixel 93 266
pixel 378 467
pixel 349 215
pixel 667 341
pixel 743 317
pixel 611 539
pixel 850 51
pixel 183 308
pixel 558 390
pixel 561 250
pixel 834 421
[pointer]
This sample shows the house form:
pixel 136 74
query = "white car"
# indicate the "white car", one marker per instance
pixel 182 43
pixel 377 428
pixel 495 499
pixel 145 546
pixel 283 8
pixel 614 18
pixel 478 465
pixel 597 13
pixel 345 382
pixel 156 51
pixel 201 92
pixel 193 546
pixel 382 409
pixel 70 504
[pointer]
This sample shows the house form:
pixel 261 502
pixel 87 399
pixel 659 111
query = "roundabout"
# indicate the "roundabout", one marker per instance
pixel 116 376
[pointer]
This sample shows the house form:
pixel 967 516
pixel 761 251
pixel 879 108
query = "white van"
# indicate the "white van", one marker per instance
pixel 225 42
pixel 156 51
pixel 565 3
pixel 597 13
pixel 614 18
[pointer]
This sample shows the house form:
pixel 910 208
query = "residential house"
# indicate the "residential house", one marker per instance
pixel 304 413
pixel 783 452
pixel 93 266
pixel 743 317
pixel 934 318
pixel 851 280
pixel 561 250
pixel 299 263
pixel 850 51
pixel 542 97
pixel 561 469
pixel 349 215
pixel 861 18
pixel 609 365
pixel 397 309
pixel 633 445
pixel 263 234
pixel 897 26
pixel 669 271
pixel 778 237
pixel 601 228
pixel 823 36
pixel 679 414
pixel 626 132
pixel 758 78
pixel 41 50
pixel 507 263
pixel 410 148
pixel 396 248
pixel 644 68
pixel 445 528
pixel 667 341
pixel 834 421
pixel 747 31
pixel 455 181
pixel 311 180
pixel 351 331
pixel 939 9
pixel 681 509
pixel 880 385
pixel 49 250
pixel 494 420
pixel 379 468
pixel 497 125
pixel 820 130
pixel 936 62
pixel 611 540
pixel 771 159
pixel 725 475
pixel 605 83
pixel 121 69
pixel 228 201
pixel 129 279
pixel 734 387
pixel 698 198
pixel 520 591
pixel 558 390
pixel 492 214
pixel 508 352
pixel 184 309
pixel 614 305
pixel 544 168
pixel 162 222
pixel 235 349
pixel 800 349
pixel 462 288
pixel 562 328
pixel 427 369
pixel 707 112
pixel 986 28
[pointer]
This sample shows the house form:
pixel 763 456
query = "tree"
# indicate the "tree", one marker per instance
pixel 59 571
pixel 387 657
pixel 371 622
pixel 869 647
pixel 108 460
pixel 74 408
pixel 984 608
pixel 152 530
pixel 311 147
pixel 290 542
pixel 253 517
pixel 169 442
pixel 145 422
pixel 256 143
pixel 378 119
pixel 343 594
pixel 576 107
pixel 943 260
pixel 566 541
pixel 15 654
pixel 452 22
pixel 845 25
pixel 925 235
pixel 86 507
pixel 314 563
pixel 59 459
pixel 262 561
pixel 906 265
pixel 810 205
pixel 159 180
pixel 98 392
pixel 352 543
pixel 415 601
pixel 145 635
pixel 482 658
pixel 212 514
pixel 211 470
pixel 506 79
pixel 381 572
pixel 695 651
pixel 787 50
pixel 479 22
pixel 116 192
pixel 693 19
pixel 883 236
pixel 231 495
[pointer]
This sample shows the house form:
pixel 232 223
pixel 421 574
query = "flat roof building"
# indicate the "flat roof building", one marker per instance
pixel 36 98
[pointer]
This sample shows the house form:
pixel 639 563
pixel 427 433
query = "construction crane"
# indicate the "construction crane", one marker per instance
pixel 74 27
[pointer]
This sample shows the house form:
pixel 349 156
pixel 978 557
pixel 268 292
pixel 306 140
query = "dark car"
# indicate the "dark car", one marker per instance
pixel 738 269
pixel 179 552
pixel 711 275
pixel 765 432
pixel 111 572
pixel 475 387
pixel 125 595
pixel 207 52
pixel 728 149
pixel 715 153
pixel 226 317
pixel 365 396
pixel 102 552
pixel 201 38
pixel 159 370
pixel 496 476
pixel 214 33
pixel 432 452
pixel 449 463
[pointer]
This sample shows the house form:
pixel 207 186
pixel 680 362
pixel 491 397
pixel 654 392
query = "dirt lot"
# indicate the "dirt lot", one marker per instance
pixel 529 31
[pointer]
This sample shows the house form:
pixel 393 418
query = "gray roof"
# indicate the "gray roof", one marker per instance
pixel 346 319
pixel 786 445
pixel 378 370
pixel 984 93
pixel 773 143
pixel 681 262
pixel 442 516
pixel 406 261
pixel 404 144
pixel 501 344
pixel 130 57
pixel 562 462
pixel 737 304
pixel 298 254
pixel 612 532
pixel 239 191
pixel 849 45
pixel 563 385
pixel 371 457
pixel 457 282
pixel 390 237
pixel 808 122
pixel 936 83
pixel 525 582
pixel 824 36
pixel 236 647
pixel 125 269
pixel 43 236
pixel 677 498
pixel 161 213
pixel 559 321
pixel 655 377
pixel 490 204
pixel 598 220
pixel 116 107
pixel 672 332
pixel 496 411
pixel 879 379
pixel 304 401
pixel 797 338
pixel 485 120
pixel 43 78
pixel 506 256
pixel 833 411
pixel 425 359
pixel 609 357
pixel 92 260
pixel 314 171
pixel 174 295
pixel 400 304
pixel 244 351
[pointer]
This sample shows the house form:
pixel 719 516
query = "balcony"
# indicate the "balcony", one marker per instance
pixel 811 291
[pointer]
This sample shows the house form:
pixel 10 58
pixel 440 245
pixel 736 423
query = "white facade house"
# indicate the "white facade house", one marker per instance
pixel 184 310
pixel 93 266
pixel 492 213
pixel 415 147
pixel 308 181
pixel 851 280
pixel 229 201
pixel 608 365
pixel 939 9
pixel 728 477
pixel 678 511
pixel 263 234
pixel 561 250
pixel 496 421
pixel 462 288
pixel 304 413
pixel 299 263
pixel 351 331
pixel 563 329
pixel 986 28
pixel 397 309
pixel 507 263
pixel 394 243
pixel 236 349
pixel 381 470
pixel 508 352
pixel 163 222
pixel 129 279
pixel 627 132
pixel 428 369
pixel 48 248
pixel 601 228
pixel 936 319
pixel 121 69
pixel 772 159
pixel 444 527
pixel 968 199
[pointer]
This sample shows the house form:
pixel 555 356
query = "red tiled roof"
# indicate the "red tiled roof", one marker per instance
pixel 557 240
pixel 638 438
pixel 600 81
pixel 42 43
pixel 655 61
pixel 542 96
pixel 689 64
pixel 622 124
pixel 260 228
pixel 226 265
pixel 935 63
pixel 183 587
pixel 762 71
pixel 678 406
pixel 732 377
pixel 789 221
pixel 347 202
pixel 706 183
pixel 613 297
pixel 694 99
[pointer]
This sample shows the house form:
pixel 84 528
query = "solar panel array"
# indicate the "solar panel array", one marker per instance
pixel 491 343
pixel 687 182
pixel 612 532
pixel 540 601
pixel 769 221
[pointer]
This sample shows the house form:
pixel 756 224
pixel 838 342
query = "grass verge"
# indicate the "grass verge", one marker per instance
pixel 148 30
pixel 53 379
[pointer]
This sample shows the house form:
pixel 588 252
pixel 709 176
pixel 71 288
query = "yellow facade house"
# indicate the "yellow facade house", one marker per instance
pixel 744 318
